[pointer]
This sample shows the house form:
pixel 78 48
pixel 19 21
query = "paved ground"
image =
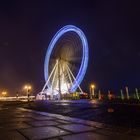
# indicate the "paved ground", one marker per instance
pixel 124 114
pixel 22 124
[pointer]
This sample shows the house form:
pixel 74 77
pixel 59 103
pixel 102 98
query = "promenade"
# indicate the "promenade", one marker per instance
pixel 24 124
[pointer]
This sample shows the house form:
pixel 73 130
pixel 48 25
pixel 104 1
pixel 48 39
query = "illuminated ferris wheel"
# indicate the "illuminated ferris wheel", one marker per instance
pixel 66 61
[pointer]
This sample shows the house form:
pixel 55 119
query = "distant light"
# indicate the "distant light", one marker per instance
pixel 4 93
pixel 27 87
pixel 92 86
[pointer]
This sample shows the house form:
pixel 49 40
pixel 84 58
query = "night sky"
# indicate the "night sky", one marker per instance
pixel 112 28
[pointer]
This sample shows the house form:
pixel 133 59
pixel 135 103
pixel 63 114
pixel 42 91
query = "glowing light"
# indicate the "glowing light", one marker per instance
pixel 64 88
pixel 85 57
pixel 27 88
pixel 92 86
pixel 22 98
pixel 4 93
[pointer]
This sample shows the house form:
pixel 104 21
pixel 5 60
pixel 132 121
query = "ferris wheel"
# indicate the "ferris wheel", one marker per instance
pixel 66 61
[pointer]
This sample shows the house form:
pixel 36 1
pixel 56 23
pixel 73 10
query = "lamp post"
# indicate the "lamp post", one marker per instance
pixel 92 87
pixel 127 93
pixel 99 95
pixel 27 88
pixel 137 93
pixel 122 96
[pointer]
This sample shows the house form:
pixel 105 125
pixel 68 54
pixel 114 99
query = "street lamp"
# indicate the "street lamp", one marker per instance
pixel 27 88
pixel 92 87
pixel 4 93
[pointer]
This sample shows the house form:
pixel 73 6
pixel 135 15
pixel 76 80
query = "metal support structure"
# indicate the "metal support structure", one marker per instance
pixel 59 80
pixel 53 80
pixel 58 73
pixel 66 80
pixel 69 77
pixel 74 78
pixel 49 78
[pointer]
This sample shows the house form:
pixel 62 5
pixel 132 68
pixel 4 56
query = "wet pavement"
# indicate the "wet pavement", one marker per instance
pixel 123 114
pixel 24 124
